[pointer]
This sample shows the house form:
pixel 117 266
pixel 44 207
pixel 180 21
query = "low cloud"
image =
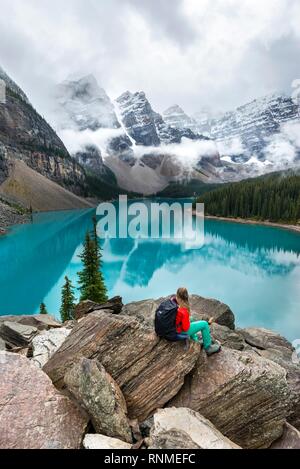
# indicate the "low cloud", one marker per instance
pixel 233 147
pixel 283 148
pixel 77 141
pixel 187 153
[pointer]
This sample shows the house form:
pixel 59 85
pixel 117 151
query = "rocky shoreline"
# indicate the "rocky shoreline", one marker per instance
pixel 10 215
pixel 105 380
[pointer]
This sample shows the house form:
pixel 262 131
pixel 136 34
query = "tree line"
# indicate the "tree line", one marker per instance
pixel 275 198
pixel 91 283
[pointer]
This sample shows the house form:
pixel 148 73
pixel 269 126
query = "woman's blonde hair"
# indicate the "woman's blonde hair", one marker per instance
pixel 183 295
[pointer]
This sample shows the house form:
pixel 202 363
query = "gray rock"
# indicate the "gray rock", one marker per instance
pixel 46 343
pixel 264 338
pixel 104 442
pixel 185 429
pixel 34 415
pixel 244 395
pixel 40 321
pixel 101 397
pixel 16 334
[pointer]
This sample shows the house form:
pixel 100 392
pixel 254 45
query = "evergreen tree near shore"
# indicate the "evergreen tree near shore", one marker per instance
pixel 43 309
pixel 92 286
pixel 67 301
pixel 275 197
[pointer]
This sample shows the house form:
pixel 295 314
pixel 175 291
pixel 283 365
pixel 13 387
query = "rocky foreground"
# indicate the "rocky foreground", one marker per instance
pixel 105 380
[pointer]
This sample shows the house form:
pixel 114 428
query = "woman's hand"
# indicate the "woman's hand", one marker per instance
pixel 211 321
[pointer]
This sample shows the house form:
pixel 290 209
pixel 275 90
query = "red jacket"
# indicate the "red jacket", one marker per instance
pixel 183 322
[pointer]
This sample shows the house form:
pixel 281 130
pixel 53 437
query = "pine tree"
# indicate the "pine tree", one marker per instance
pixel 43 309
pixel 92 286
pixel 67 301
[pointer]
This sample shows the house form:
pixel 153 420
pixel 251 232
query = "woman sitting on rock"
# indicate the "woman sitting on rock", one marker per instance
pixel 173 322
pixel 185 326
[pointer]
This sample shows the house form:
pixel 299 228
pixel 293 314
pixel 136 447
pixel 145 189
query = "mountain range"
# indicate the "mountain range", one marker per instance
pixel 97 147
pixel 147 151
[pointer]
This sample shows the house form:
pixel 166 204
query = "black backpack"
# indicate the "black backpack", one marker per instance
pixel 165 320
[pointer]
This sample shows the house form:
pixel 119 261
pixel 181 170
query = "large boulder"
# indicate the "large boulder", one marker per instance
pixel 274 347
pixel 148 370
pixel 206 308
pixel 17 335
pixel 181 426
pixel 289 440
pixel 34 415
pixel 201 309
pixel 46 343
pixel 104 442
pixel 244 395
pixel 40 321
pixel 115 306
pixel 101 397
pixel 284 358
pixel 264 338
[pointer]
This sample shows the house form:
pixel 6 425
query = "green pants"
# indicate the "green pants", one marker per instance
pixel 203 327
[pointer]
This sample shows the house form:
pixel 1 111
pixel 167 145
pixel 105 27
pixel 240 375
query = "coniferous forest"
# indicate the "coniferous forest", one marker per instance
pixel 275 197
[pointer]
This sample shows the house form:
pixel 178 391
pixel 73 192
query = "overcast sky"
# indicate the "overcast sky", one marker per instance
pixel 196 53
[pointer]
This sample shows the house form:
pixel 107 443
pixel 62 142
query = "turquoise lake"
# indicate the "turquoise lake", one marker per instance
pixel 254 269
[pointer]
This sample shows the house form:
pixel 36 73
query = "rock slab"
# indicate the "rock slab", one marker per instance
pixel 244 395
pixel 34 415
pixel 181 427
pixel 17 335
pixel 101 397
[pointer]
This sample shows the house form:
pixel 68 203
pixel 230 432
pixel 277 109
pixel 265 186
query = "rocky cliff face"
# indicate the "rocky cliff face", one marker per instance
pixel 26 136
pixel 147 127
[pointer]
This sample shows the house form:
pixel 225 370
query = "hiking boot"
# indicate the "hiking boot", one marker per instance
pixel 213 348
